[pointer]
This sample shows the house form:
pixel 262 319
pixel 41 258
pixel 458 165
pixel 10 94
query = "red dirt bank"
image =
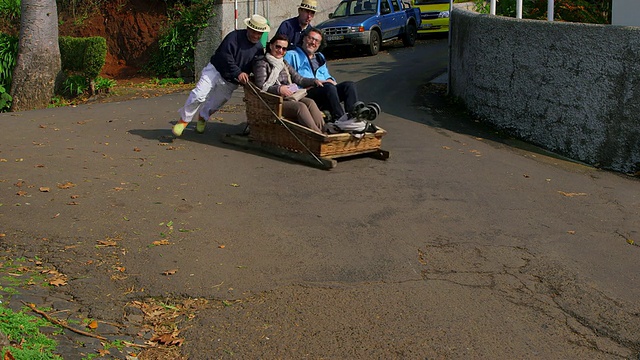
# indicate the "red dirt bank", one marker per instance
pixel 131 28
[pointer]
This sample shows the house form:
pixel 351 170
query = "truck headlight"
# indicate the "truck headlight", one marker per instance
pixel 443 14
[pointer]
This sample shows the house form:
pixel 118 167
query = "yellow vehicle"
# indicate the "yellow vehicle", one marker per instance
pixel 435 15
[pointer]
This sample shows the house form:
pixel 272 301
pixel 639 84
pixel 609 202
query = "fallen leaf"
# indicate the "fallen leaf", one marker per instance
pixel 118 188
pixel 136 149
pixel 572 194
pixel 73 203
pixel 44 189
pixel 446 147
pixel 526 175
pixel 572 232
pixel 161 242
pixel 39 166
pixel 58 282
pixel 21 193
pixel 3 235
pixel 234 185
pixel 105 243
pixel 3 160
pixel 167 339
pixel 67 185
pixel 630 241
pixel 43 126
pixel 74 196
pixel 8 355
pixel 103 352
pixel 93 325
pixel 170 272
pixel 19 183
pixel 221 246
pixel 56 215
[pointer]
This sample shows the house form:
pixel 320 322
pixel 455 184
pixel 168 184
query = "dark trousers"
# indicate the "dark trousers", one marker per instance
pixel 329 97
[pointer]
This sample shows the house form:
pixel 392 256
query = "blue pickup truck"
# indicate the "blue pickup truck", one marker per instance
pixel 369 23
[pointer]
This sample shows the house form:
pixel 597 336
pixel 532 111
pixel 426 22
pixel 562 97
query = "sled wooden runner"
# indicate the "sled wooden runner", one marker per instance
pixel 270 132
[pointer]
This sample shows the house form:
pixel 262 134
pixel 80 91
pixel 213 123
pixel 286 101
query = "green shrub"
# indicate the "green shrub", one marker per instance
pixel 5 100
pixel 79 9
pixel 75 85
pixel 168 81
pixel 583 11
pixel 177 41
pixel 8 55
pixel 104 85
pixel 10 12
pixel 83 55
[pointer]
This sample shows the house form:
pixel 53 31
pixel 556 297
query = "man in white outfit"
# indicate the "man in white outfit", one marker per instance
pixel 229 66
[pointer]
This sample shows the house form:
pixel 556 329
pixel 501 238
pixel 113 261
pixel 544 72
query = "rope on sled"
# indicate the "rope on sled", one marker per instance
pixel 255 91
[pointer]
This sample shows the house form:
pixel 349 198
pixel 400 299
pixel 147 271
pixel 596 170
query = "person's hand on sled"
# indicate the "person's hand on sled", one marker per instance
pixel 243 78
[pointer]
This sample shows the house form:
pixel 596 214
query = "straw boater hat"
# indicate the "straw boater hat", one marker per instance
pixel 311 5
pixel 258 23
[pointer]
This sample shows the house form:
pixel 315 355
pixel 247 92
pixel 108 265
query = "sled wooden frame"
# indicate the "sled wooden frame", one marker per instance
pixel 270 132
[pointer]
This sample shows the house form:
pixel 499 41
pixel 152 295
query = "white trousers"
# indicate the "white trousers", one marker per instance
pixel 211 91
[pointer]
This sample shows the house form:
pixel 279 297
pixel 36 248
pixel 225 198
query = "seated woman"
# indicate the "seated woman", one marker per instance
pixel 274 75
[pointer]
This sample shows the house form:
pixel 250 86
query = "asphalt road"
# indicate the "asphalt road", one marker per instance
pixel 458 246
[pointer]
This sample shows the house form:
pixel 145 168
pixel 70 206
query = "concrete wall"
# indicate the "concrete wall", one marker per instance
pixel 275 11
pixel 571 88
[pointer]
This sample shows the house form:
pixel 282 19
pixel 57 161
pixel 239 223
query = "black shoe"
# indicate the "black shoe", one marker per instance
pixel 327 116
pixel 374 110
pixel 363 113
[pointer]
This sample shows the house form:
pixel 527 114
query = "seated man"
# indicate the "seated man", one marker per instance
pixel 312 64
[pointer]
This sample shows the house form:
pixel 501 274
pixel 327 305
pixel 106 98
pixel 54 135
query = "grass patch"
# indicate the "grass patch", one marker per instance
pixel 23 331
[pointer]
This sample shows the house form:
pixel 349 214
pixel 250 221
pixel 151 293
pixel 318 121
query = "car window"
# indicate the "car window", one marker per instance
pixel 396 6
pixel 428 2
pixel 364 7
pixel 384 7
pixel 342 9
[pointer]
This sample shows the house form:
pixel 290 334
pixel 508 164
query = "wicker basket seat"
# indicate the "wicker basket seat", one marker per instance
pixel 263 112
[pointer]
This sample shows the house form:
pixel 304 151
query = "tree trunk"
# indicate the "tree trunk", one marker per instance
pixel 38 61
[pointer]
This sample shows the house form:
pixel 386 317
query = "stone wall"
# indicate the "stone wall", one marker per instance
pixel 570 88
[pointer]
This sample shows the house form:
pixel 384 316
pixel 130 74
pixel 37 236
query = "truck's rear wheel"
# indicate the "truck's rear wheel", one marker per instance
pixel 374 43
pixel 410 35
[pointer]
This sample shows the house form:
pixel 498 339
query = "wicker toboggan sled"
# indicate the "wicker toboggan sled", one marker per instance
pixel 270 132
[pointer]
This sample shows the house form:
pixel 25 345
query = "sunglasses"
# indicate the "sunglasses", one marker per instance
pixel 280 47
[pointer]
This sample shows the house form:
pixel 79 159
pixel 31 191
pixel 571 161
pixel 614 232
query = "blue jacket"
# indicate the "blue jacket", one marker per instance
pixel 299 60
